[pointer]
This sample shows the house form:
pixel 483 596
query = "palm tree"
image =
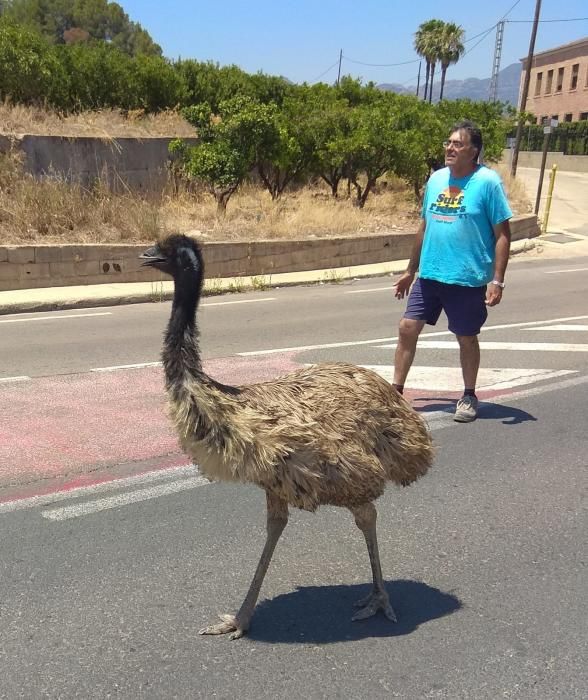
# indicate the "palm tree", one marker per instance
pixel 451 49
pixel 426 45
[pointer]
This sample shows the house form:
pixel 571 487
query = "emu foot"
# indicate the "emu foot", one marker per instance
pixel 229 625
pixel 369 606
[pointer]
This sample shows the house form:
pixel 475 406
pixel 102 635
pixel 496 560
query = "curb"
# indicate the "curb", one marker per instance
pixel 63 298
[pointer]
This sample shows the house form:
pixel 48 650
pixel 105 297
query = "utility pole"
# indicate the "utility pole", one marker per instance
pixel 525 92
pixel 339 73
pixel 419 79
pixel 496 63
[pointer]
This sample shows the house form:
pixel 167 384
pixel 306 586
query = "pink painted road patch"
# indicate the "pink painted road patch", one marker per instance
pixel 52 427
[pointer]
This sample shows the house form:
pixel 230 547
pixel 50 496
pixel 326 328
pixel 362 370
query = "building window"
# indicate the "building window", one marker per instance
pixel 538 84
pixel 549 85
pixel 560 77
pixel 568 117
pixel 574 78
pixel 545 120
pixel 583 116
pixel 555 116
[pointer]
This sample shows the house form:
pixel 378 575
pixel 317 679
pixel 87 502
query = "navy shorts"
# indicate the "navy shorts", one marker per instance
pixel 465 306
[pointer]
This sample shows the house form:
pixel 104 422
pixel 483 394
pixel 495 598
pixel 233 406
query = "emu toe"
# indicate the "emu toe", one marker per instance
pixel 228 625
pixel 370 605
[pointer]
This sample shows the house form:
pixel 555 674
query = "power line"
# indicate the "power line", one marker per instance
pixel 481 40
pixel 382 65
pixel 541 21
pixel 480 34
pixel 325 72
pixel 504 16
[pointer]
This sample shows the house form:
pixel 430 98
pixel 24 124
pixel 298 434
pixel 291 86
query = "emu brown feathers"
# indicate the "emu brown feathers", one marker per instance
pixel 329 434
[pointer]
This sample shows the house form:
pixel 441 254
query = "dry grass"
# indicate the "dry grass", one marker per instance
pixel 53 211
pixel 108 123
pixel 515 191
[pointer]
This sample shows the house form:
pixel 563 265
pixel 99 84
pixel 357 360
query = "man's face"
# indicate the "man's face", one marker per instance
pixel 459 151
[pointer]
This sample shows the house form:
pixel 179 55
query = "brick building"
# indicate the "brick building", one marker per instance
pixel 559 83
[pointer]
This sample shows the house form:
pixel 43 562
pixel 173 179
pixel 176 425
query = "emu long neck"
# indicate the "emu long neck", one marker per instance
pixel 181 355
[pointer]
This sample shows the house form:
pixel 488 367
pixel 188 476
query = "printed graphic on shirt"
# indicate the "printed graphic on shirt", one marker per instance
pixel 449 205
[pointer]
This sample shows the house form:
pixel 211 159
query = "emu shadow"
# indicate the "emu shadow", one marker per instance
pixel 322 614
pixel 509 415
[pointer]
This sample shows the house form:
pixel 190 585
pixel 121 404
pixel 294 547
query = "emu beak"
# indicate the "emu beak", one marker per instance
pixel 151 257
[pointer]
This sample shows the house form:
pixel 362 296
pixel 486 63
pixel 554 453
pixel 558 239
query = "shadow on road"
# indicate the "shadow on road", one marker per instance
pixel 509 415
pixel 322 614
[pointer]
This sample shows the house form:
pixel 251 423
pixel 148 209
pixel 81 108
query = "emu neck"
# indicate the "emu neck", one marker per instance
pixel 181 354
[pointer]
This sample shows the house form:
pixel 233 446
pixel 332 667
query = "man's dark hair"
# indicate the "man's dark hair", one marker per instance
pixel 474 132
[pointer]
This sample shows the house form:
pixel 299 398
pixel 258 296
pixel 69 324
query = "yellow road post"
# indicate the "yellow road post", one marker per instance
pixel 548 202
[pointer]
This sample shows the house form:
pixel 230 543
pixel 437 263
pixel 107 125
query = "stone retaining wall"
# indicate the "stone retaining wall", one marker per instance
pixel 30 267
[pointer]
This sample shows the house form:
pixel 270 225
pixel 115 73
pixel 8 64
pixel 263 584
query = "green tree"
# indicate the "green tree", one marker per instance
pixel 228 147
pixel 373 146
pixel 101 19
pixel 156 84
pixel 418 141
pixel 284 151
pixel 451 49
pixel 31 72
pixel 328 127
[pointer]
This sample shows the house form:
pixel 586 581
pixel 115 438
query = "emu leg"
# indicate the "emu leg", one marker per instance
pixel 237 625
pixel 365 519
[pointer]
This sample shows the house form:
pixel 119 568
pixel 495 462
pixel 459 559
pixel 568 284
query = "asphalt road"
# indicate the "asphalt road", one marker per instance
pixel 101 593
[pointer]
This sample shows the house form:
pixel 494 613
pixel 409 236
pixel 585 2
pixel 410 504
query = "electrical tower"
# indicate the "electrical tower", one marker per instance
pixel 496 63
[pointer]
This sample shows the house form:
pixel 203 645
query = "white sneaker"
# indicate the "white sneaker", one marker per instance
pixel 466 410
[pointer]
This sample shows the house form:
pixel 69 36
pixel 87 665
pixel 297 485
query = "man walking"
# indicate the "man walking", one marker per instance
pixel 461 253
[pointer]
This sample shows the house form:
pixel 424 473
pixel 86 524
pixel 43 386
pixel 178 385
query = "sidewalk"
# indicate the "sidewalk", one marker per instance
pixel 56 298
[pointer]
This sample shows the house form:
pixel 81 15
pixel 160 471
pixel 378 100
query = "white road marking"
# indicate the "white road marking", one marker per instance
pixel 138 365
pixel 560 327
pixel 373 341
pixel 368 291
pixel 123 499
pixel 53 318
pixel 170 474
pixel 319 346
pixel 495 345
pixel 7 380
pixel 450 378
pixel 558 272
pixel 237 301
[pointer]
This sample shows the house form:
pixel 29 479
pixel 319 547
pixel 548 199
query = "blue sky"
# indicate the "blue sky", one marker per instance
pixel 301 39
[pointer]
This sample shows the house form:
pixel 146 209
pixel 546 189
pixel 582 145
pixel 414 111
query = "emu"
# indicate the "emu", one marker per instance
pixel 330 434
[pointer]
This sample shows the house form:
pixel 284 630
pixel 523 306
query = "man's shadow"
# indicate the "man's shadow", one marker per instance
pixel 509 415
pixel 322 614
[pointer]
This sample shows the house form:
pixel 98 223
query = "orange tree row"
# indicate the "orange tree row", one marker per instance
pixel 316 132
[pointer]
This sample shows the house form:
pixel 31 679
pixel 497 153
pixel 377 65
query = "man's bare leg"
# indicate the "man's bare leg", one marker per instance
pixel 469 356
pixel 466 410
pixel 408 334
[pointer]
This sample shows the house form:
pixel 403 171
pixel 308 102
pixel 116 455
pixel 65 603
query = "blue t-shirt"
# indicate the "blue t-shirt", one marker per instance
pixel 459 242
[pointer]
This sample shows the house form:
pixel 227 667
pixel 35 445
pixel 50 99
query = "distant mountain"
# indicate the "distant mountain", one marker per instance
pixel 472 88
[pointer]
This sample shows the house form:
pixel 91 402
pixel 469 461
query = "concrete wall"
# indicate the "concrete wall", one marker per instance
pixel 137 164
pixel 532 159
pixel 29 267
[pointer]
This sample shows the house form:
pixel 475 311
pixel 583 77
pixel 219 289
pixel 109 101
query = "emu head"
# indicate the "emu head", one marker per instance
pixel 175 255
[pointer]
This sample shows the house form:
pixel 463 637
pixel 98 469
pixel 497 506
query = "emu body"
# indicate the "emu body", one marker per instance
pixel 329 434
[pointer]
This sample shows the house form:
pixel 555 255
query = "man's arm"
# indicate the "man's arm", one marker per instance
pixel 402 286
pixel 502 235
